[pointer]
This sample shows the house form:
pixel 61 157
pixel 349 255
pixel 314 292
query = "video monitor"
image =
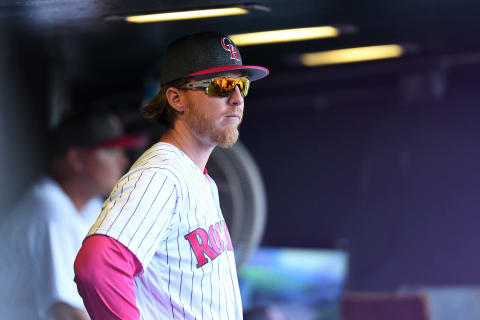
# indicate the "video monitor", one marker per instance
pixel 301 283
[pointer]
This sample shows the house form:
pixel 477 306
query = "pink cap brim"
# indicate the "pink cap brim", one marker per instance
pixel 126 141
pixel 253 72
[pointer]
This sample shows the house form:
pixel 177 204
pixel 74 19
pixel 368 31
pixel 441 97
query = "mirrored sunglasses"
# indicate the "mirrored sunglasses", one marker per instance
pixel 221 86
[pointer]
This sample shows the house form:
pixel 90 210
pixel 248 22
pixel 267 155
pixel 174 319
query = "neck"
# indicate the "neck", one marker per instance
pixel 75 192
pixel 195 148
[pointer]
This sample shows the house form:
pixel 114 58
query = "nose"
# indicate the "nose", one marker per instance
pixel 236 98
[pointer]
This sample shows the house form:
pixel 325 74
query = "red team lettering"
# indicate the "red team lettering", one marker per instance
pixel 230 47
pixel 209 243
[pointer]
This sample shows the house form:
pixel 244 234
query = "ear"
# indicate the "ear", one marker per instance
pixel 74 159
pixel 176 98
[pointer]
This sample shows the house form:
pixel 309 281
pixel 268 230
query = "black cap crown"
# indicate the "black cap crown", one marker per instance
pixel 204 53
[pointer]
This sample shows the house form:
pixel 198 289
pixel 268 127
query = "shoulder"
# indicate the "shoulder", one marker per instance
pixel 157 155
pixel 45 200
pixel 166 160
pixel 146 182
pixel 152 175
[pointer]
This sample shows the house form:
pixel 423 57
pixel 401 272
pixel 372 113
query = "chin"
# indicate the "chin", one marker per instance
pixel 228 138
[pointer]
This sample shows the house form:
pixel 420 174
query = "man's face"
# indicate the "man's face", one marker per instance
pixel 214 120
pixel 103 167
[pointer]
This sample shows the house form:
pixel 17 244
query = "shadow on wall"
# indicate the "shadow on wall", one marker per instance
pixel 399 182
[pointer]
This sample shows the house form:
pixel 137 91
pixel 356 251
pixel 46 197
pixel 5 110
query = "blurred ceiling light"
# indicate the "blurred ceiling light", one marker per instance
pixel 185 15
pixel 285 35
pixel 351 55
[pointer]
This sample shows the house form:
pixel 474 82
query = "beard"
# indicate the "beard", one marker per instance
pixel 204 126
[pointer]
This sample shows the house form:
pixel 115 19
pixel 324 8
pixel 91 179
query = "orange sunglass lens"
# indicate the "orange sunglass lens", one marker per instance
pixel 223 87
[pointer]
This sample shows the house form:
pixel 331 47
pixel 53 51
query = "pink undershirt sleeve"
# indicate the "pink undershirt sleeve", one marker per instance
pixel 104 272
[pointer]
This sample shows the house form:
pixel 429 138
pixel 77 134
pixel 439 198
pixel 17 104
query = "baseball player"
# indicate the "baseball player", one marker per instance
pixel 40 237
pixel 160 248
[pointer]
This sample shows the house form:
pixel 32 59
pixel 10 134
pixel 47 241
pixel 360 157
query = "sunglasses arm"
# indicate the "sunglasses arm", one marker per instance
pixel 198 84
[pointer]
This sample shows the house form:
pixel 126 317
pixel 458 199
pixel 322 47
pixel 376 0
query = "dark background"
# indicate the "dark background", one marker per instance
pixel 380 158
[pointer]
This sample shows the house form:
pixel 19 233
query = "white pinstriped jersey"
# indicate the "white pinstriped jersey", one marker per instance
pixel 166 211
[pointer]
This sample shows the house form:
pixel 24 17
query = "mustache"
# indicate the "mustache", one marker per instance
pixel 237 111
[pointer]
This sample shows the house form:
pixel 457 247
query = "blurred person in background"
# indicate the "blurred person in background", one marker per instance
pixel 41 236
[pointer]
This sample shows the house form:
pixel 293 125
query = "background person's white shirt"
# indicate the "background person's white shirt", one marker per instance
pixel 39 240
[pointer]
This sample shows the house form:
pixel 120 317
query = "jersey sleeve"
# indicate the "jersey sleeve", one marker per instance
pixel 52 244
pixel 62 248
pixel 139 211
pixel 104 272
pixel 63 238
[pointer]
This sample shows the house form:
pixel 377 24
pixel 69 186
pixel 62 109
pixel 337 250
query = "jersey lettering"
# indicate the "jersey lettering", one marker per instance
pixel 208 243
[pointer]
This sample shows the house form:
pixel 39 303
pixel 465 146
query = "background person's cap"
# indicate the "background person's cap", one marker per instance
pixel 204 53
pixel 92 130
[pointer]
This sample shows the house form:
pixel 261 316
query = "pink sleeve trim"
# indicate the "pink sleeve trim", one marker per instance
pixel 104 272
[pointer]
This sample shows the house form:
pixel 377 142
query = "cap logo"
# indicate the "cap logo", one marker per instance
pixel 228 45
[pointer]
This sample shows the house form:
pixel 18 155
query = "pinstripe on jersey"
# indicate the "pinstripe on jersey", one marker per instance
pixel 166 211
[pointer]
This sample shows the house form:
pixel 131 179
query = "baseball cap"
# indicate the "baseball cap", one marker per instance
pixel 102 130
pixel 204 53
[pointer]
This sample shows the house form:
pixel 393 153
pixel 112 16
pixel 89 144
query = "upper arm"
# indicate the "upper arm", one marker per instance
pixel 63 241
pixel 104 272
pixel 53 243
pixel 138 212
